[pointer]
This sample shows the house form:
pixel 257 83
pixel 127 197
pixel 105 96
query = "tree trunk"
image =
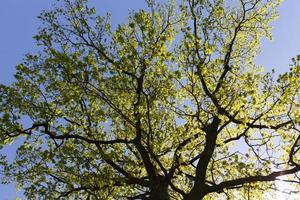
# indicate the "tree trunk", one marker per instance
pixel 159 194
pixel 195 195
pixel 159 191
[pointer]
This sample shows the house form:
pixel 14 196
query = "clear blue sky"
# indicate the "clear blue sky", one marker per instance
pixel 18 22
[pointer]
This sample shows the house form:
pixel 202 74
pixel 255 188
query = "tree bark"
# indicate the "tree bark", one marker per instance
pixel 159 189
pixel 159 192
pixel 196 194
pixel 159 195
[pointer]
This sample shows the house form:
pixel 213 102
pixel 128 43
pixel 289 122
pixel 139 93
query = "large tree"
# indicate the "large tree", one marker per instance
pixel 169 105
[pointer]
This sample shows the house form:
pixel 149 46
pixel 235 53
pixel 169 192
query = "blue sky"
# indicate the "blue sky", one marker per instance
pixel 18 22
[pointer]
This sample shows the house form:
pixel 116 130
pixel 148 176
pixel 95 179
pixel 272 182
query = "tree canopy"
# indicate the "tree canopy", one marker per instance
pixel 169 105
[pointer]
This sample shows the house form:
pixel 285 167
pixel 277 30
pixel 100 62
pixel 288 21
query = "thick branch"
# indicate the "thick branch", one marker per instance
pixel 252 179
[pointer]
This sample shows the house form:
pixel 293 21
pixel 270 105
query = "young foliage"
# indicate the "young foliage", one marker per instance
pixel 169 105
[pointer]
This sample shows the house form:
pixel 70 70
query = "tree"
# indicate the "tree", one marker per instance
pixel 167 106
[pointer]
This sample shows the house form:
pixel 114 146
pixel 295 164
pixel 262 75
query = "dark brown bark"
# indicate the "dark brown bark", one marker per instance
pixel 159 193
pixel 159 190
pixel 197 193
pixel 200 189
